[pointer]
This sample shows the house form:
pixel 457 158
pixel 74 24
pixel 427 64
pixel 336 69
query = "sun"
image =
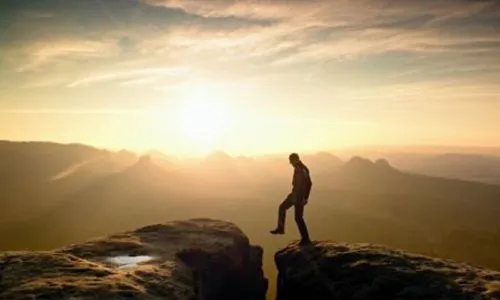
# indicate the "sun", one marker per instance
pixel 202 115
pixel 202 122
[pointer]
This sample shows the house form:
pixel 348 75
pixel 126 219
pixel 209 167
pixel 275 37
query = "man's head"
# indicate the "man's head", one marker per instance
pixel 294 159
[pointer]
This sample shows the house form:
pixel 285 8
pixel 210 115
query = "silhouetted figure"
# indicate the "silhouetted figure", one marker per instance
pixel 298 198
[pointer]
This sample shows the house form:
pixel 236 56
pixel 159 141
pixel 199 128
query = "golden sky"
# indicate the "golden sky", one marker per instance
pixel 250 77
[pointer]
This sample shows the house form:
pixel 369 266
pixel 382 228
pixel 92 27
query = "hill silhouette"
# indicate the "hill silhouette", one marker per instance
pixel 479 167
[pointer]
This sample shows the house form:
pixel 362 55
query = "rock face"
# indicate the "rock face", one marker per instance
pixel 194 259
pixel 328 270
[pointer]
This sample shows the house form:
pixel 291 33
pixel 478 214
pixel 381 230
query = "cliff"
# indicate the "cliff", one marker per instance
pixel 194 259
pixel 204 259
pixel 328 270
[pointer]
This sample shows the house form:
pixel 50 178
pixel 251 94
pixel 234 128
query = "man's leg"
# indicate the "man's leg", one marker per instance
pixel 301 224
pixel 284 206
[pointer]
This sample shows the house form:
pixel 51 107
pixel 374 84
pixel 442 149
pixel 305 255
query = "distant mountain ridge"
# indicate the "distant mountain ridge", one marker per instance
pixel 483 168
pixel 100 191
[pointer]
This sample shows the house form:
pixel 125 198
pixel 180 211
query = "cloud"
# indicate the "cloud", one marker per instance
pixel 318 30
pixel 46 81
pixel 376 41
pixel 130 77
pixel 328 12
pixel 214 35
pixel 241 42
pixel 57 111
pixel 453 90
pixel 266 9
pixel 33 14
pixel 47 53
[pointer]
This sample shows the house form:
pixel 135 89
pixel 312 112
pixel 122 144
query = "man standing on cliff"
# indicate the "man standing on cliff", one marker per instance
pixel 301 188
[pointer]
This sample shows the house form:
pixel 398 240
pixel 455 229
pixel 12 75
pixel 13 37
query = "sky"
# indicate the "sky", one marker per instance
pixel 250 76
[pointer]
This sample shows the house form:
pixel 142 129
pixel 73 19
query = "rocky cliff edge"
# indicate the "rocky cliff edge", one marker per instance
pixel 193 259
pixel 329 270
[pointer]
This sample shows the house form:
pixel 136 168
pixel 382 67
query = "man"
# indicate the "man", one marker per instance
pixel 301 188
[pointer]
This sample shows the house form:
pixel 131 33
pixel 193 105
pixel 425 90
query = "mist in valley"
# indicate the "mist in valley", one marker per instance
pixel 54 195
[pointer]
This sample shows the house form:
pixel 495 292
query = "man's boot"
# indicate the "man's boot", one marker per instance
pixel 278 231
pixel 305 242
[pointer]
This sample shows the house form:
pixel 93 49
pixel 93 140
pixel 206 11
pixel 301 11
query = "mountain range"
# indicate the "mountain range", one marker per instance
pixel 54 195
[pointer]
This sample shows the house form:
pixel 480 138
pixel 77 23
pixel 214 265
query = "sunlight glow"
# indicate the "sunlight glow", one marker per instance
pixel 202 114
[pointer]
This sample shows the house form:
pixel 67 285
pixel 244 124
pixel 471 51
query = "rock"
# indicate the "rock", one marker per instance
pixel 358 165
pixel 328 270
pixel 383 164
pixel 194 259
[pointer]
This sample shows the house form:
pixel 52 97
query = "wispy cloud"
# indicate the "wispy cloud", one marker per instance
pixel 130 76
pixel 375 41
pixel 451 90
pixel 318 30
pixel 57 111
pixel 329 12
pixel 45 54
pixel 219 34
pixel 34 14
pixel 265 9
pixel 46 81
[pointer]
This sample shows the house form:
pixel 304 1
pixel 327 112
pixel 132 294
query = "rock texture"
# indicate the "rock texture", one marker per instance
pixel 194 259
pixel 328 270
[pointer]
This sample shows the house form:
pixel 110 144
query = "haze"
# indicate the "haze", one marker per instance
pixel 54 195
pixel 250 77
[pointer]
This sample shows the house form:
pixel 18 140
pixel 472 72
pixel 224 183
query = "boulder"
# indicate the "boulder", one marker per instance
pixel 193 259
pixel 329 270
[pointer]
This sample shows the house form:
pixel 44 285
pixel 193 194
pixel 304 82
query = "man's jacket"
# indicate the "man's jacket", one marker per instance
pixel 301 182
